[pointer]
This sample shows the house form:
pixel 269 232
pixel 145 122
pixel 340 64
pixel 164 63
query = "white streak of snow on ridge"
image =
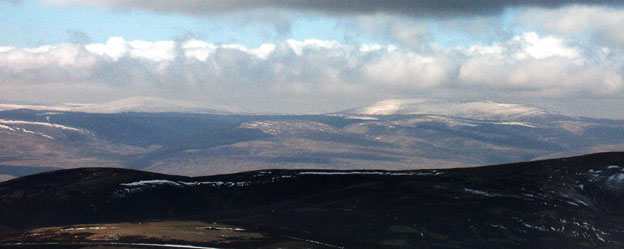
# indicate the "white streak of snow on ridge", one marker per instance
pixel 222 228
pixel 276 127
pixel 357 117
pixel 217 183
pixel 433 172
pixel 616 181
pixel 4 107
pixel 165 245
pixel 182 184
pixel 136 186
pixel 517 124
pixel 18 122
pixel 6 127
pixel 480 192
pixel 315 242
pixel 34 133
pixel 440 119
pixel 118 244
pixel 151 182
pixel 87 228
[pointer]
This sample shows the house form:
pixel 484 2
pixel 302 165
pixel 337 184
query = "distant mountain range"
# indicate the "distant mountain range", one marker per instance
pixel 133 104
pixel 479 110
pixel 564 203
pixel 192 139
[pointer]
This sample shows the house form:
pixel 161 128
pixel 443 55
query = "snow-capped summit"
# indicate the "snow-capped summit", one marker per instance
pixel 150 104
pixel 132 104
pixel 5 107
pixel 482 110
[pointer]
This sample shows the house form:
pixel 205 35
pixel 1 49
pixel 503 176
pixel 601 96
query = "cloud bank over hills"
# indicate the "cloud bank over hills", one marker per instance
pixel 561 55
pixel 327 72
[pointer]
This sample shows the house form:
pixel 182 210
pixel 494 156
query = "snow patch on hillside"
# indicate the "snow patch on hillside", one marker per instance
pixel 151 104
pixel 439 119
pixel 132 104
pixel 150 182
pixel 34 133
pixel 6 127
pixel 389 173
pixel 276 127
pixel 5 107
pixel 481 110
pixel 34 128
pixel 21 122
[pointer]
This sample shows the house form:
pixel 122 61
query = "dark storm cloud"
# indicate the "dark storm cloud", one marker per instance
pixel 436 8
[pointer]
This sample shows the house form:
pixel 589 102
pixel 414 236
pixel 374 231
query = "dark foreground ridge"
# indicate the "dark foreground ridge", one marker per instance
pixel 575 202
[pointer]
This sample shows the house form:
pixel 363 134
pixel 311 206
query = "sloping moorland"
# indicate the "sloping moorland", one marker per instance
pixel 575 202
pixel 394 135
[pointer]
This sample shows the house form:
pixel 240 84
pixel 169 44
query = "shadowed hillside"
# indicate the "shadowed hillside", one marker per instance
pixel 451 135
pixel 564 203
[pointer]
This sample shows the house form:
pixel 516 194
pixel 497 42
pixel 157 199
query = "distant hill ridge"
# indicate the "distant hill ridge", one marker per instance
pixel 561 203
pixel 132 104
pixel 483 110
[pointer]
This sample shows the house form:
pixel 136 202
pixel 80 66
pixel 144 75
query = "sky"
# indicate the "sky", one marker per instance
pixel 315 56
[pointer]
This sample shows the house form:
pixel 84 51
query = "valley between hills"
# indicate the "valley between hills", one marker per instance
pixel 151 134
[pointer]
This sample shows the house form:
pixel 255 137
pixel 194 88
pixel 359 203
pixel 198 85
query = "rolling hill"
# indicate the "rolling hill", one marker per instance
pixel 561 203
pixel 393 134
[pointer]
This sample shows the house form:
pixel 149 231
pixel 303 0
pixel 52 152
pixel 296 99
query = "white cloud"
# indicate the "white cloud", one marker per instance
pixel 115 48
pixel 313 75
pixel 606 24
pixel 199 50
pixel 546 66
pixel 155 51
pixel 551 77
pixel 118 47
pixel 409 69
pixel 299 46
pixel 527 45
pixel 407 33
pixel 263 51
pixel 5 49
pixel 31 58
pixel 540 48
